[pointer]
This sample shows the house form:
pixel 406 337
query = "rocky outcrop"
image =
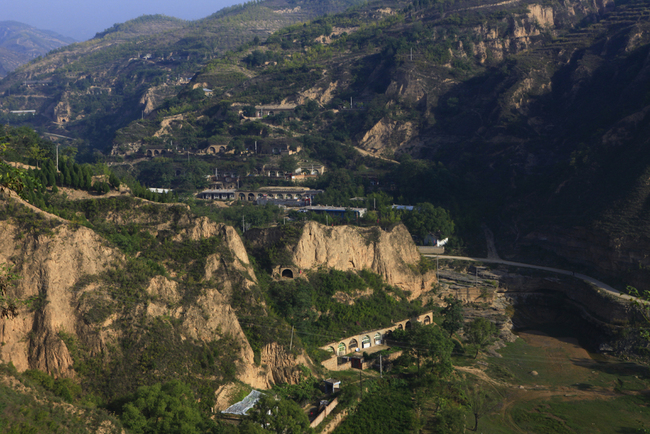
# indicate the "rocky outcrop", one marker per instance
pixel 387 136
pixel 76 309
pixel 49 266
pixel 281 366
pixel 391 254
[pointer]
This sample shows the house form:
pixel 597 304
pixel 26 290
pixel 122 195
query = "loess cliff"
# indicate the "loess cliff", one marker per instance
pixel 97 310
pixel 392 254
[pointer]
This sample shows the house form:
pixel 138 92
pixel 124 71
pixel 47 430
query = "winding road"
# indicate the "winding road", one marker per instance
pixel 597 283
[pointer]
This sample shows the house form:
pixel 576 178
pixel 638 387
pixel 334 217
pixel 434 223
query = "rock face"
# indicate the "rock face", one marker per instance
pixel 387 136
pixel 62 267
pixel 387 253
pixel 49 266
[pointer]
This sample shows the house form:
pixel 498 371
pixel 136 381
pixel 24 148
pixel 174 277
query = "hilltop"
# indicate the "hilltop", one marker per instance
pixel 94 87
pixel 20 43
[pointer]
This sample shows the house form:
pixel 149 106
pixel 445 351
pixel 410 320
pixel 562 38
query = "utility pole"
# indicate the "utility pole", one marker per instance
pixel 291 343
pixel 411 54
pixel 350 103
pixel 243 224
pixel 361 381
pixel 381 368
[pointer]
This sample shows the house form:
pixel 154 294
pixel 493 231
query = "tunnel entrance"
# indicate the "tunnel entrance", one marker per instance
pixel 287 273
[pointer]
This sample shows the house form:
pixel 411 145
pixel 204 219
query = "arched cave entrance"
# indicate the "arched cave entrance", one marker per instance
pixel 287 273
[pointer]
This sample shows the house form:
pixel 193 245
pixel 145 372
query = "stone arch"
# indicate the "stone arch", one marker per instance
pixel 400 327
pixel 365 342
pixel 330 349
pixel 427 320
pixel 377 338
pixel 353 344
pixel 280 196
pixel 288 273
pixel 407 325
pixel 260 195
pixel 251 196
pixel 242 196
pixel 342 349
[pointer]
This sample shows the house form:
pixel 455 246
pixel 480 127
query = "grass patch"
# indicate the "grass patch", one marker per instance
pixel 627 414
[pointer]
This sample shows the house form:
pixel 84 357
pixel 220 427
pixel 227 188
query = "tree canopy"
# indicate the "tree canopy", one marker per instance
pixel 164 408
pixel 280 416
pixel 426 218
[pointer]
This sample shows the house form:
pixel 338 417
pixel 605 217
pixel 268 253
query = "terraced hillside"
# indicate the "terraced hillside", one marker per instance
pixel 90 89
pixel 535 111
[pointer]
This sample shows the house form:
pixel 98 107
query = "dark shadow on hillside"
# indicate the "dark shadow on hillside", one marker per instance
pixel 583 386
pixel 626 369
pixel 629 430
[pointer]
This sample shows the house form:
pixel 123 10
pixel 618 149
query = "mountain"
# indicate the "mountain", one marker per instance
pixel 528 117
pixel 20 43
pixel 92 88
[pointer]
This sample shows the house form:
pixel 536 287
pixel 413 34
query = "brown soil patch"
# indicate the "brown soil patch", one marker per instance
pixel 569 347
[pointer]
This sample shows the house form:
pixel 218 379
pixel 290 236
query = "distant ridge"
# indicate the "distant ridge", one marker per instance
pixel 20 43
pixel 144 25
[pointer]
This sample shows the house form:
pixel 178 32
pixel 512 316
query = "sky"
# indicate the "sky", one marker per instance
pixel 81 19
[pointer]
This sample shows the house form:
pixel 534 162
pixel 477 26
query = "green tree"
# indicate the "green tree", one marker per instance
pixel 280 416
pixel 453 315
pixel 8 305
pixel 160 409
pixel 288 163
pixel 429 346
pixel 643 304
pixel 113 180
pixel 449 420
pixel 426 218
pixel 37 154
pixel 479 332
pixel 480 402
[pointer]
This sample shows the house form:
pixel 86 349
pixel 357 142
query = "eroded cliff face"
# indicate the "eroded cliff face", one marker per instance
pixel 66 268
pixel 391 254
pixel 49 266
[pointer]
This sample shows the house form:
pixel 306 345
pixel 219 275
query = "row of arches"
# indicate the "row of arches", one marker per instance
pixel 367 342
pixel 216 149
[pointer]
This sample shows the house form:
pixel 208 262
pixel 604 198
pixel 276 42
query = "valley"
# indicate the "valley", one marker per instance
pixel 331 217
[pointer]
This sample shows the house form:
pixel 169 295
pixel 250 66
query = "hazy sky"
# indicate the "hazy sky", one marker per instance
pixel 81 19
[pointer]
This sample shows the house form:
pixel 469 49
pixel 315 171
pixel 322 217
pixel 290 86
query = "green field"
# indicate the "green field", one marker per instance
pixel 572 393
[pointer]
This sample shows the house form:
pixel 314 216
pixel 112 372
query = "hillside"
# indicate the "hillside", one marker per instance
pixel 534 114
pixel 97 86
pixel 20 43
